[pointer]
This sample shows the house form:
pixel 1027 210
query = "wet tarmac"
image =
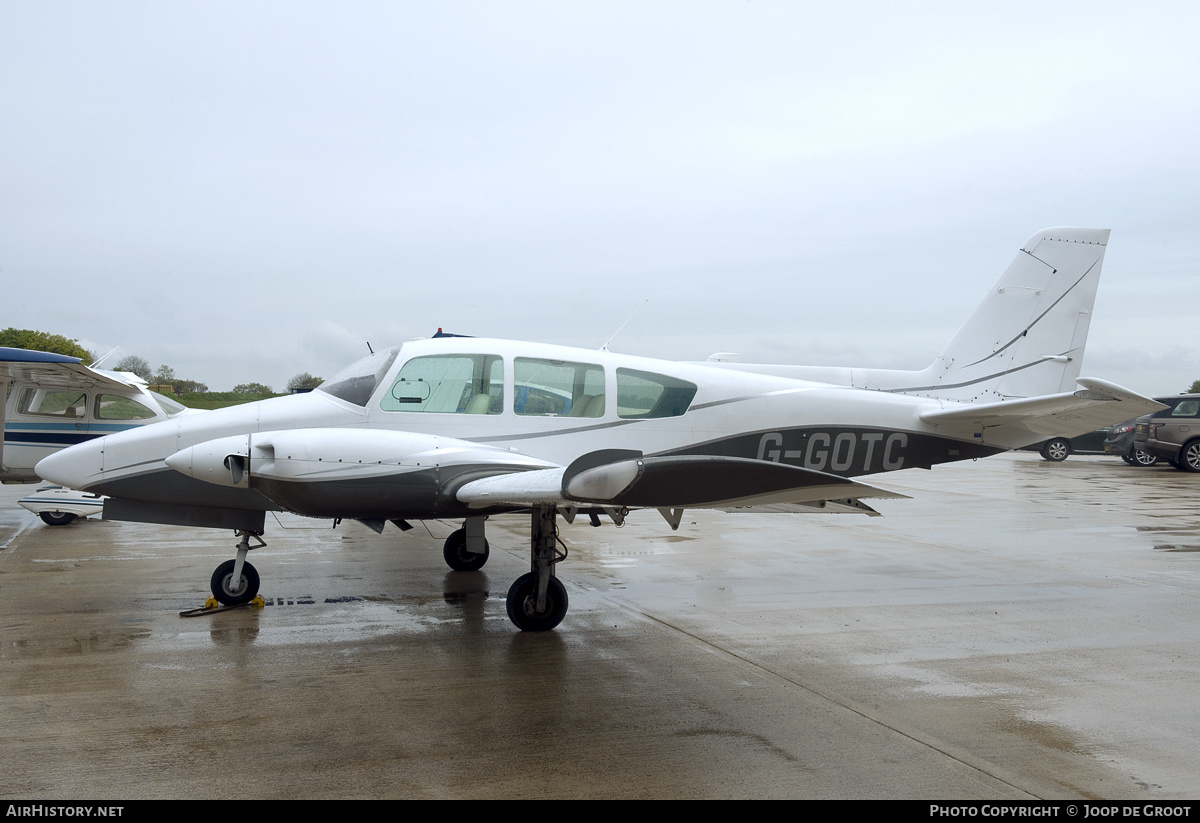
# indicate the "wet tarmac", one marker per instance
pixel 1019 629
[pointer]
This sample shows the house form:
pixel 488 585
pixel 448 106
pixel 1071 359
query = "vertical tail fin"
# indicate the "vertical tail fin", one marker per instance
pixel 1027 337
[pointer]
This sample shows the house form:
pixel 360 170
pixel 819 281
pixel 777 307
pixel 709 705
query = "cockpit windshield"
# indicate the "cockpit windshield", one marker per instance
pixel 356 383
pixel 168 405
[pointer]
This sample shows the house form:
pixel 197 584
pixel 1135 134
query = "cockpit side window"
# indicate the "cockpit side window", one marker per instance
pixel 448 383
pixel 643 395
pixel 66 404
pixel 557 388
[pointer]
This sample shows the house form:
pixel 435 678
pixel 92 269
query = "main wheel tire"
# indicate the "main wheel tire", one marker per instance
pixel 458 558
pixel 229 593
pixel 522 600
pixel 1189 456
pixel 1056 450
pixel 57 518
pixel 1141 458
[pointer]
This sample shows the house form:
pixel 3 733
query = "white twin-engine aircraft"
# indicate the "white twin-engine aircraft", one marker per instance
pixel 460 427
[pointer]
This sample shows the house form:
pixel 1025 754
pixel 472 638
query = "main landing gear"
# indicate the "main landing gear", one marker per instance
pixel 236 581
pixel 466 550
pixel 537 601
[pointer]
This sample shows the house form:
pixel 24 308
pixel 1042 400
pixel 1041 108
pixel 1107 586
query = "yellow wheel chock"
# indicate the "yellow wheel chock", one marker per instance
pixel 211 606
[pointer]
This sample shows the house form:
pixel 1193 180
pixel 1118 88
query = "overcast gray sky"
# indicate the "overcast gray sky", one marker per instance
pixel 247 190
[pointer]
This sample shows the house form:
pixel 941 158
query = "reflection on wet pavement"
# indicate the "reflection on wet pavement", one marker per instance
pixel 1018 628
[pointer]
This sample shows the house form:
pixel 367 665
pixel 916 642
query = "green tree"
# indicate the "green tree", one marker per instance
pixel 44 341
pixel 253 388
pixel 304 380
pixel 163 376
pixel 189 386
pixel 1195 389
pixel 138 365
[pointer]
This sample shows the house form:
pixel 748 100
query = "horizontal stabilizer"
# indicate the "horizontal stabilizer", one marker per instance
pixel 1015 423
pixel 659 482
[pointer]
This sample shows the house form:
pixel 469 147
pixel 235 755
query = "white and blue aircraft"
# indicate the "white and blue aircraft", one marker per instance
pixel 460 427
pixel 52 401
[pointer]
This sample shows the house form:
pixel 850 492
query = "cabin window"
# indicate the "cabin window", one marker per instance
pixel 70 405
pixel 643 395
pixel 116 407
pixel 558 388
pixel 449 383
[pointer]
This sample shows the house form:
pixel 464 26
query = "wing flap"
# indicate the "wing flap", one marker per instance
pixel 666 482
pixel 843 506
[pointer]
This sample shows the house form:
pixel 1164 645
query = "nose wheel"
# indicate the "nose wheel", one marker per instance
pixel 235 581
pixel 231 591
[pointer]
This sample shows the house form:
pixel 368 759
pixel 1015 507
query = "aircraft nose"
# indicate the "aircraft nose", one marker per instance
pixel 76 467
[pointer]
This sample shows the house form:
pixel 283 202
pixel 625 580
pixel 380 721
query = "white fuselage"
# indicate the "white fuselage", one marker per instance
pixel 838 430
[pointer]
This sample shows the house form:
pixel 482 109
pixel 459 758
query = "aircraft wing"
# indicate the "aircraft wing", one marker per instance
pixel 1016 423
pixel 617 477
pixel 56 371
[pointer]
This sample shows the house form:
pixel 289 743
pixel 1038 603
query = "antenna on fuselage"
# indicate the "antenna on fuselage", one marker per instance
pixel 371 350
pixel 96 363
pixel 623 325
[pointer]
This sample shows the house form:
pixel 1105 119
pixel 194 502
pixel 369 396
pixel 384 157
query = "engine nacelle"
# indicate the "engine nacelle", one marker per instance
pixel 346 472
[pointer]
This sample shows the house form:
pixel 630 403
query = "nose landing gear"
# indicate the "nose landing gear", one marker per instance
pixel 236 581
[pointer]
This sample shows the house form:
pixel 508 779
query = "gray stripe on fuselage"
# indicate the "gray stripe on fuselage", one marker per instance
pixel 983 379
pixel 429 493
pixel 846 451
pixel 498 438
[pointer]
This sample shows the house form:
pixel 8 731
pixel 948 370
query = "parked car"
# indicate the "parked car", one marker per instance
pixel 1173 434
pixel 1121 443
pixel 1057 449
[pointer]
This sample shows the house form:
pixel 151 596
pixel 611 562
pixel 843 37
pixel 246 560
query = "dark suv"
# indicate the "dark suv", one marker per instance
pixel 1173 434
